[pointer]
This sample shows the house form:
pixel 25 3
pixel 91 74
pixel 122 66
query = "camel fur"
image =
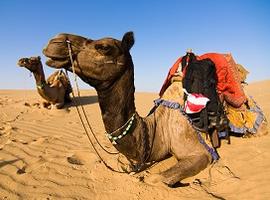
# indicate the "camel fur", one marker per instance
pixel 106 64
pixel 55 90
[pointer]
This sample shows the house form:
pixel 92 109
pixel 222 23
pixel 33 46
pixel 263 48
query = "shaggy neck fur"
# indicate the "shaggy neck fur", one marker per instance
pixel 117 106
pixel 39 75
pixel 42 87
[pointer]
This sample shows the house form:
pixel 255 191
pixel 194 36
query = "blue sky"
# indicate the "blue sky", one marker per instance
pixel 163 31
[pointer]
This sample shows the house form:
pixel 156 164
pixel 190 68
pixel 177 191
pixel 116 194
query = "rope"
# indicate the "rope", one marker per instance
pixel 84 113
pixel 82 107
pixel 138 167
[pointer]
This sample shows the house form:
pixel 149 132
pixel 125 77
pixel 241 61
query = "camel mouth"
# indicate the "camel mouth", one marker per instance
pixel 57 62
pixel 56 58
pixel 22 62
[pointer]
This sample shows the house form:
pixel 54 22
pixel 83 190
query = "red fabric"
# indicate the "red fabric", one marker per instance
pixel 228 86
pixel 169 76
pixel 195 103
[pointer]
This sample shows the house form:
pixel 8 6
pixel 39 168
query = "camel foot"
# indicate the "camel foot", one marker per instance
pixel 170 182
pixel 178 184
pixel 154 180
pixel 159 180
pixel 186 167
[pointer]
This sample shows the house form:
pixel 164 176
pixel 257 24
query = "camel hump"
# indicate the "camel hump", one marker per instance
pixel 65 81
pixel 59 77
pixel 52 78
pixel 175 91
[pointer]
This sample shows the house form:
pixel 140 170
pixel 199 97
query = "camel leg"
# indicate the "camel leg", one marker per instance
pixel 186 167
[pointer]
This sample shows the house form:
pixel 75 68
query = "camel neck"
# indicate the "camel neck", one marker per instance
pixel 117 101
pixel 39 76
pixel 118 109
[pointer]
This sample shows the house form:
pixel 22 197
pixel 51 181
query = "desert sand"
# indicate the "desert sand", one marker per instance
pixel 45 154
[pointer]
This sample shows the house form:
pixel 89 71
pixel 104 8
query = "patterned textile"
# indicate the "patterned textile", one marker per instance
pixel 247 118
pixel 195 103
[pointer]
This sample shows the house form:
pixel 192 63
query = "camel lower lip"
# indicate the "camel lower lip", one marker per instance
pixel 56 63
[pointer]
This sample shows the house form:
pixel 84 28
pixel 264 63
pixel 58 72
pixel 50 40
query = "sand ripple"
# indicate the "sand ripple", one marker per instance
pixel 44 154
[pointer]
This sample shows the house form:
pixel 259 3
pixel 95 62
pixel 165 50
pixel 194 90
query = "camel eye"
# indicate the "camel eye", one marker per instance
pixel 105 49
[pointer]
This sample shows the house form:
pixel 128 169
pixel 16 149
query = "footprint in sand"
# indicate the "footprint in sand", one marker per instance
pixel 75 160
pixel 27 104
pixel 22 170
pixel 34 165
pixel 23 142
pixel 45 139
pixel 6 129
pixel 82 158
pixel 5 142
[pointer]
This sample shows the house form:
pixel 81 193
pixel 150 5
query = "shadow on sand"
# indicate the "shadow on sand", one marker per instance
pixel 83 100
pixel 9 162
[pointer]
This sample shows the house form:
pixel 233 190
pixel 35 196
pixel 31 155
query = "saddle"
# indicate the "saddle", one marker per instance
pixel 200 78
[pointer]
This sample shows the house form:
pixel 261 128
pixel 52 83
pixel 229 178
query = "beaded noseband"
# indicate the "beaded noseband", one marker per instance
pixel 129 123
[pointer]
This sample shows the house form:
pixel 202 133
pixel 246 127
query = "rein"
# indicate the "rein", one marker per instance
pixel 84 114
pixel 136 168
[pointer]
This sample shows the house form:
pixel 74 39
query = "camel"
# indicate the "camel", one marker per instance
pixel 55 90
pixel 106 65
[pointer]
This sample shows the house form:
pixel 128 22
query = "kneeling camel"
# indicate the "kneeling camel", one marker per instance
pixel 106 64
pixel 55 90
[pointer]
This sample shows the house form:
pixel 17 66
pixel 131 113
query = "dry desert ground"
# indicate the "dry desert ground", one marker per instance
pixel 45 154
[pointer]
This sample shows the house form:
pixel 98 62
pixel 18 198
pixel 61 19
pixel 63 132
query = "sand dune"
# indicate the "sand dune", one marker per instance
pixel 45 154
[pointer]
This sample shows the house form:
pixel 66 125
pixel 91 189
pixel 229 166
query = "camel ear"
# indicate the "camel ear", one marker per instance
pixel 128 41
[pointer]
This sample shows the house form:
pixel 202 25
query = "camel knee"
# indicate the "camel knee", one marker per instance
pixel 186 167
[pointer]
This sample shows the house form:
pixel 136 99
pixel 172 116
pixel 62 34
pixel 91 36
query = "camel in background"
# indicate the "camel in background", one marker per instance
pixel 55 90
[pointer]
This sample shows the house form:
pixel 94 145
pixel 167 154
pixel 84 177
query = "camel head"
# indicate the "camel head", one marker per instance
pixel 32 63
pixel 57 50
pixel 95 61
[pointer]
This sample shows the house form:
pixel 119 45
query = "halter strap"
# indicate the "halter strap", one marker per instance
pixel 115 138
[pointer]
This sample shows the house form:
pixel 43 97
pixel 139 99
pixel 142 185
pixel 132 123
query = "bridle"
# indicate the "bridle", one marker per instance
pixel 135 167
